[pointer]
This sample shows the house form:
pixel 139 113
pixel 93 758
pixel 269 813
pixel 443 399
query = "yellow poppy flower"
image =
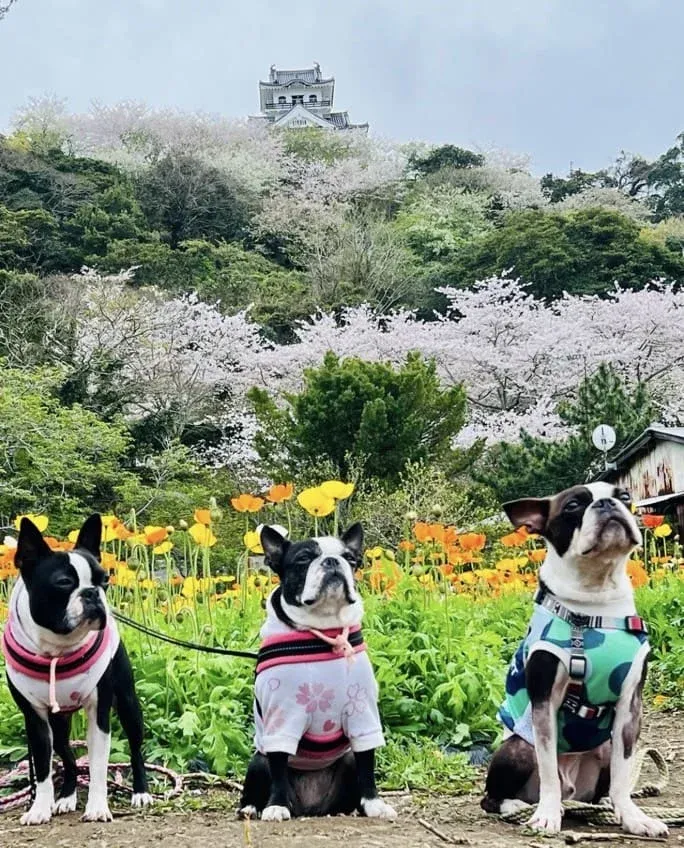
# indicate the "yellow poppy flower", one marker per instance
pixel 663 531
pixel 315 502
pixel 203 516
pixel 252 541
pixel 336 489
pixel 164 548
pixel 41 521
pixel 202 535
pixel 110 521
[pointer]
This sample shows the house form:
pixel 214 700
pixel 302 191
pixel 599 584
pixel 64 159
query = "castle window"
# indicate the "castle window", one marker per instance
pixel 313 98
pixel 282 100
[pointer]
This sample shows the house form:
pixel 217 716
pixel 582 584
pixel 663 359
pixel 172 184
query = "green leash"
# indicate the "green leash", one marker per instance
pixel 599 814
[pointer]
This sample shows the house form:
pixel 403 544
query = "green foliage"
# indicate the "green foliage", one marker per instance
pixel 27 317
pixel 446 156
pixel 581 252
pixel 537 468
pixel 440 665
pixel 577 181
pixel 62 460
pixel 428 492
pixel 183 198
pixel 362 412
pixel 29 240
pixel 314 144
pixel 437 224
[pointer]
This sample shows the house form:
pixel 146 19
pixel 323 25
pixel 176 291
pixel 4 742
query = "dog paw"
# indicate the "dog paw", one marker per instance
pixel 97 813
pixel 40 813
pixel 64 805
pixel 511 806
pixel 141 799
pixel 275 813
pixel 249 811
pixel 376 808
pixel 636 822
pixel 546 819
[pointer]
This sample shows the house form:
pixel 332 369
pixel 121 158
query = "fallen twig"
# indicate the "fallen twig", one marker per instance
pixel 573 838
pixel 441 835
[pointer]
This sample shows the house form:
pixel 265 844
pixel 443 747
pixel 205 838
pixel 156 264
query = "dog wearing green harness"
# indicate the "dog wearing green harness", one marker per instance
pixel 572 711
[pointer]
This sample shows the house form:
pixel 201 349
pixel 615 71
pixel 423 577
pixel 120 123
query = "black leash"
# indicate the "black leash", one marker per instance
pixel 207 649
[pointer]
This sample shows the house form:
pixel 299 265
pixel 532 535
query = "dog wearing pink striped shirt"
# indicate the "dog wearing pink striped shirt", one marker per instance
pixel 63 653
pixel 315 705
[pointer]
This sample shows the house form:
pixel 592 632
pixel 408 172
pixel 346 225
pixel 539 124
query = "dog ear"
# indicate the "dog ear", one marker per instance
pixel 353 539
pixel 90 536
pixel 274 546
pixel 532 513
pixel 31 547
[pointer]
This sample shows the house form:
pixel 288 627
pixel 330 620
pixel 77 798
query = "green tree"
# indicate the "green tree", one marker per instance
pixel 368 414
pixel 184 198
pixel 57 459
pixel 536 468
pixel 29 327
pixel 577 181
pixel 223 272
pixel 446 156
pixel 30 241
pixel 581 252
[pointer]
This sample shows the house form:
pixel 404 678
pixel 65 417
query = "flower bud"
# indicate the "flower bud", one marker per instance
pixel 411 516
pixel 183 524
pixel 436 510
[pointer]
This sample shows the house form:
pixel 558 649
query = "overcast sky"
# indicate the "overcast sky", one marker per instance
pixel 563 80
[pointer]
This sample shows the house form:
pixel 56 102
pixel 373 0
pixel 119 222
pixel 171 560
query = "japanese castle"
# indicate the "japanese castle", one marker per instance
pixel 302 98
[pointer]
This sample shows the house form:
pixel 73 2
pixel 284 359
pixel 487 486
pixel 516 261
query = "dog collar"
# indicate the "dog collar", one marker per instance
pixel 631 623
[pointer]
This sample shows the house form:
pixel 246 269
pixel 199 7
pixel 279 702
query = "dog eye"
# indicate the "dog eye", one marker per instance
pixel 625 497
pixel 572 505
pixel 64 584
pixel 349 556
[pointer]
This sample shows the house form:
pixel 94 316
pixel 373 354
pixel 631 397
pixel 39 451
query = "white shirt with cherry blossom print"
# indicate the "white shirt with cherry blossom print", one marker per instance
pixel 316 711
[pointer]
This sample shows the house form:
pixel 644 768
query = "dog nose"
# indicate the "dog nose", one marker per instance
pixel 332 563
pixel 604 504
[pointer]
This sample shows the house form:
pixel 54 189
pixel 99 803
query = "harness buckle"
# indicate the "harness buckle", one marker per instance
pixel 578 666
pixel 635 624
pixel 585 711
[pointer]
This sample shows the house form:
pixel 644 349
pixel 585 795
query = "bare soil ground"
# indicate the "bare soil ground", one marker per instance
pixel 213 825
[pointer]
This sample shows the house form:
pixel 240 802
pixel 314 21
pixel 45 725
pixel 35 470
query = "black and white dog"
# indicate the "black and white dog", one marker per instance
pixel 62 652
pixel 572 714
pixel 315 707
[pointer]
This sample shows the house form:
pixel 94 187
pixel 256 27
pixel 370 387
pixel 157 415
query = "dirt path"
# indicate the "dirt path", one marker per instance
pixel 214 826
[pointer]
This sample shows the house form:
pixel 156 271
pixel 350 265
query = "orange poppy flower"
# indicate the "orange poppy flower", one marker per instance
pixel 247 503
pixel 472 541
pixel 406 545
pixel 515 539
pixel 538 555
pixel 155 535
pixel 203 516
pixel 652 521
pixel 280 492
pixel 450 535
pixel 637 574
pixel 421 531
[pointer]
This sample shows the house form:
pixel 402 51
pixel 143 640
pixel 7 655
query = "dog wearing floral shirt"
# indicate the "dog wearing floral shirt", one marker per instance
pixel 315 706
